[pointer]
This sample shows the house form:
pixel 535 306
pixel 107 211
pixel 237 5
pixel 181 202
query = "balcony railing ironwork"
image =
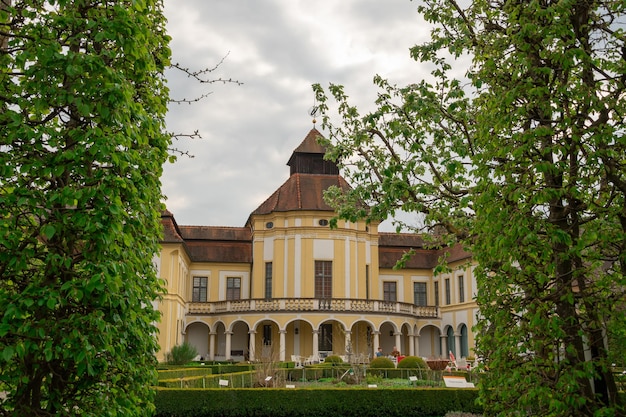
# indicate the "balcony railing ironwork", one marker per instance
pixel 313 305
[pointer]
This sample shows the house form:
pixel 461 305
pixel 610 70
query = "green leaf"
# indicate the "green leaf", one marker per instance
pixel 48 231
pixel 7 353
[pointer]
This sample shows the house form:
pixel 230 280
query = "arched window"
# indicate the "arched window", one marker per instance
pixel 451 345
pixel 464 343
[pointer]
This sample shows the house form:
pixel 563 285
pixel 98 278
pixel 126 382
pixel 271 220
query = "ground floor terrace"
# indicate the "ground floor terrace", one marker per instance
pixel 311 336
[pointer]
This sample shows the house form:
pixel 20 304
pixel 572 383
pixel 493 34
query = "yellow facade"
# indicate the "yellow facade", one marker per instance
pixel 287 285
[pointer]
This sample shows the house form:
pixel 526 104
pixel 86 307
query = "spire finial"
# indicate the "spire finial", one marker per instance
pixel 314 111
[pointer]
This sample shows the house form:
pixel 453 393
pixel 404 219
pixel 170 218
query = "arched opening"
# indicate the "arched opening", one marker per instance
pixel 361 348
pixel 387 337
pixel 464 348
pixel 331 339
pixel 197 335
pixel 220 342
pixel 240 340
pixel 451 344
pixel 430 342
pixel 267 341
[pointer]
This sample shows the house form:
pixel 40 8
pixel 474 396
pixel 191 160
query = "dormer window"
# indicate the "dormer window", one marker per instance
pixel 323 222
pixel 269 225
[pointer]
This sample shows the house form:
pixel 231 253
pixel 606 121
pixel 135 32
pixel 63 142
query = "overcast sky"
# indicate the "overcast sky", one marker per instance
pixel 277 49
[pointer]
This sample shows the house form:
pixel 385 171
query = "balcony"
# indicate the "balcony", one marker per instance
pixel 300 305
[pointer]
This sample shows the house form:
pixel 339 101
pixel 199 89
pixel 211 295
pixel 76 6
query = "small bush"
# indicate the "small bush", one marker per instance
pixel 181 354
pixel 373 379
pixel 412 362
pixel 333 359
pixel 382 363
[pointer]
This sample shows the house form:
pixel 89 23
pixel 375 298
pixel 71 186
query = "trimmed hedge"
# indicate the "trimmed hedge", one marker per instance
pixel 279 402
pixel 184 372
pixel 333 359
pixel 412 362
pixel 235 380
pixel 207 376
pixel 171 372
pixel 381 363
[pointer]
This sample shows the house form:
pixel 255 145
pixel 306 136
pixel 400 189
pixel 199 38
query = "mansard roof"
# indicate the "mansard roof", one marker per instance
pixel 392 246
pixel 218 243
pixel 209 243
pixel 301 192
pixel 221 233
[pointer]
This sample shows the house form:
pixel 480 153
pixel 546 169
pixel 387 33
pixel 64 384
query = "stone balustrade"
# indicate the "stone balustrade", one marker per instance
pixel 313 305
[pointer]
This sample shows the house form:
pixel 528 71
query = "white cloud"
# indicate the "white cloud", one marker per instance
pixel 278 49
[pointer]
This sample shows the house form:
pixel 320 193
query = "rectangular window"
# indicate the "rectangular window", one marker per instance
pixel 323 279
pixel 437 293
pixel 447 291
pixel 325 343
pixel 233 288
pixel 268 280
pixel 419 294
pixel 461 289
pixel 389 291
pixel 199 293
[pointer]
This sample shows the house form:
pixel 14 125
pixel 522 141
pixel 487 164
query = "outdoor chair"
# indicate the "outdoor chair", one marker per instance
pixel 297 360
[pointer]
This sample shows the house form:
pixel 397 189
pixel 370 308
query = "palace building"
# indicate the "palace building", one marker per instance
pixel 288 285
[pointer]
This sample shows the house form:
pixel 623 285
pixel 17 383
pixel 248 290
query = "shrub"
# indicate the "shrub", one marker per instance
pixel 181 354
pixel 382 363
pixel 373 379
pixel 333 359
pixel 412 362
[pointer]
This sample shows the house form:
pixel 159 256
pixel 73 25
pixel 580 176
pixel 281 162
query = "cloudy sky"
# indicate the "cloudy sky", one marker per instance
pixel 277 49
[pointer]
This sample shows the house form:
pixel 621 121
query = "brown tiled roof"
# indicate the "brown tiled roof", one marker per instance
pixel 457 253
pixel 422 259
pixel 218 244
pixel 215 233
pixel 209 243
pixel 171 232
pixel 391 247
pixel 408 240
pixel 310 144
pixel 220 251
pixel 301 192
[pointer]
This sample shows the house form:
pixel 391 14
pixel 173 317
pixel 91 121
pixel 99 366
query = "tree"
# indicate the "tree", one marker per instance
pixel 83 143
pixel 522 160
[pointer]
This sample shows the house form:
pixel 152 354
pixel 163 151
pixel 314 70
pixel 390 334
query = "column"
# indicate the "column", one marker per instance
pixel 316 351
pixel 282 344
pixel 411 344
pixel 376 343
pixel 252 345
pixel 457 344
pixel 212 346
pixel 228 341
pixel 444 345
pixel 398 342
pixel 349 351
pixel 416 347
